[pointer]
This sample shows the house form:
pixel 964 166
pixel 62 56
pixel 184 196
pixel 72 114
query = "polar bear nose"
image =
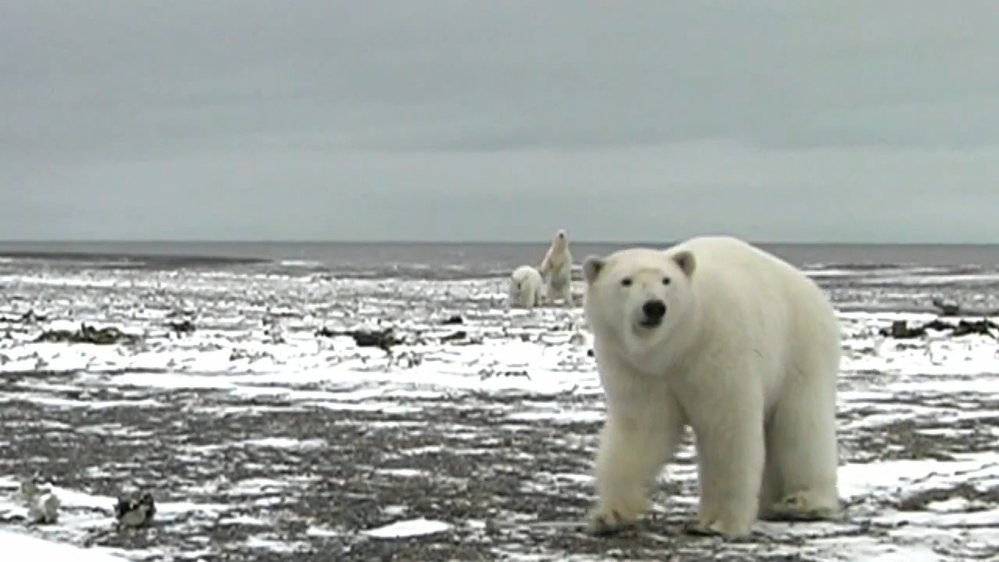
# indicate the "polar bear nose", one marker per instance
pixel 654 309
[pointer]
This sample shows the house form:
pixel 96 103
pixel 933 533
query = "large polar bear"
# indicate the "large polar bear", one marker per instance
pixel 720 336
pixel 527 288
pixel 556 268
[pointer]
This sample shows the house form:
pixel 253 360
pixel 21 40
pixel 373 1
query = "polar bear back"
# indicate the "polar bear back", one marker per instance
pixel 752 288
pixel 525 273
pixel 526 287
pixel 757 302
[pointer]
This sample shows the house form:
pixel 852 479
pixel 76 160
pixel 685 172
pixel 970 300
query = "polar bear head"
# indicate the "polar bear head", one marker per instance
pixel 560 242
pixel 639 295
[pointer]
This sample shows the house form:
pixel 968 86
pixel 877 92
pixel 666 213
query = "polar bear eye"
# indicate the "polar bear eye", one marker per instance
pixel 626 282
pixel 666 280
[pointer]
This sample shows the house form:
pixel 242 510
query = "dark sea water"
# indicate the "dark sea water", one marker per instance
pixel 858 277
pixel 453 260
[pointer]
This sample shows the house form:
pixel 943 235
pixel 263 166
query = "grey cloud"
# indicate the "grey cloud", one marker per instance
pixel 342 119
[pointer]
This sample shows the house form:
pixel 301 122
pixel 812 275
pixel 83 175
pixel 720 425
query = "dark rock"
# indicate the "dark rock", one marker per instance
pixel 453 320
pixel 950 309
pixel 946 308
pixel 980 327
pixel 901 330
pixel 28 317
pixel 183 327
pixel 938 325
pixel 135 509
pixel 382 339
pixel 87 334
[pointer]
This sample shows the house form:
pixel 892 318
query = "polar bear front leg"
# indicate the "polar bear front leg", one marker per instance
pixel 632 452
pixel 731 455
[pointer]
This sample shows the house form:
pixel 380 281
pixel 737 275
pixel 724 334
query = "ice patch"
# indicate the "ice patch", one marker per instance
pixel 402 472
pixel 321 532
pixel 861 480
pixel 245 520
pixel 21 547
pixel 273 545
pixel 284 443
pixel 559 416
pixel 68 403
pixel 410 528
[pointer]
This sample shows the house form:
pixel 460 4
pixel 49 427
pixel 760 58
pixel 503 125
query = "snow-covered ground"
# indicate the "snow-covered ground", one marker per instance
pixel 22 547
pixel 261 439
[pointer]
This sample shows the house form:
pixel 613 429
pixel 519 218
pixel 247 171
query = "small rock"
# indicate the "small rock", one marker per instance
pixel 28 317
pixel 183 327
pixel 135 509
pixel 899 329
pixel 947 308
pixel 382 339
pixel 87 334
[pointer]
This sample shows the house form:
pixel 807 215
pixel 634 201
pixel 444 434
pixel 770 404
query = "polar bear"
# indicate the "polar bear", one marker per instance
pixel 720 336
pixel 556 268
pixel 526 287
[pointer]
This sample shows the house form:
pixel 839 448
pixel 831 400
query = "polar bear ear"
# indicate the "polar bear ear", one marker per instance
pixel 591 267
pixel 686 261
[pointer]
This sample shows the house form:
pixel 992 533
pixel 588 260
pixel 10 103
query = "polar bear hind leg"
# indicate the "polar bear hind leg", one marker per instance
pixel 566 295
pixel 799 481
pixel 730 446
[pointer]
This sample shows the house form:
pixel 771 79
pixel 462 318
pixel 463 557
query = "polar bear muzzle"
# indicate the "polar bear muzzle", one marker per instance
pixel 653 311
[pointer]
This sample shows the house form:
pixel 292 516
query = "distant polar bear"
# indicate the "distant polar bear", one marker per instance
pixel 556 268
pixel 526 287
pixel 720 336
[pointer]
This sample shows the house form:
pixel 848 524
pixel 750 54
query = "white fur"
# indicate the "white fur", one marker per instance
pixel 526 287
pixel 747 355
pixel 556 268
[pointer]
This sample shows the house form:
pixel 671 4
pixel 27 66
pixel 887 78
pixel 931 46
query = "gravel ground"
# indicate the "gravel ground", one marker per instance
pixel 281 474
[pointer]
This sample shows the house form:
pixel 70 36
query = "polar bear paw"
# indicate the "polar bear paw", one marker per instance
pixel 604 523
pixel 803 506
pixel 608 519
pixel 715 527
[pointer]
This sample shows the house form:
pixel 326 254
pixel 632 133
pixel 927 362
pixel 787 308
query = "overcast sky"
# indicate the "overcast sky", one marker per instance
pixel 499 120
